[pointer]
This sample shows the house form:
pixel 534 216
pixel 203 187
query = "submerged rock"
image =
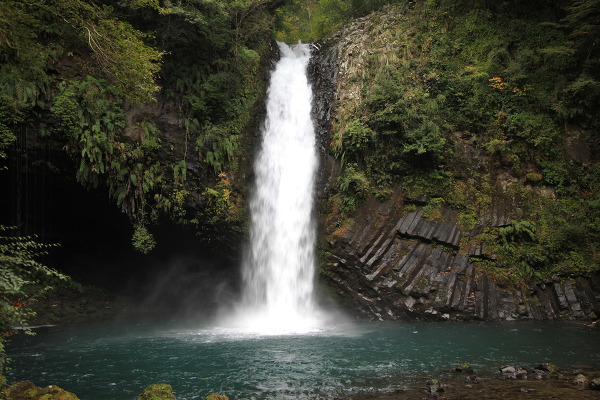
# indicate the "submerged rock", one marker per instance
pixel 595 384
pixel 159 391
pixel 26 390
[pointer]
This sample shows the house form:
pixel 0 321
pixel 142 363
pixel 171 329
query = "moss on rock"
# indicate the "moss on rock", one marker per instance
pixel 216 396
pixel 26 390
pixel 159 391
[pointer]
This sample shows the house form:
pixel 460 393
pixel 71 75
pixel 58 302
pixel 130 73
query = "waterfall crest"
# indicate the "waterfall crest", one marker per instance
pixel 278 272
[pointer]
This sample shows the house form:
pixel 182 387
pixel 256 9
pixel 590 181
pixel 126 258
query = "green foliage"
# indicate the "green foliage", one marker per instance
pixel 3 361
pixel 442 82
pixel 405 115
pixel 353 180
pixel 120 52
pixel 468 220
pixel 353 186
pixel 221 200
pixel 315 19
pixel 223 213
pixel 433 209
pixel 85 110
pixel 71 69
pixel 135 4
pixel 143 240
pixel 517 231
pixel 555 174
pixel 580 98
pixel 562 240
pixel 221 44
pixel 89 112
pixel 7 137
pixel 117 48
pixel 397 129
pixel 219 146
pixel 22 277
pixel 215 72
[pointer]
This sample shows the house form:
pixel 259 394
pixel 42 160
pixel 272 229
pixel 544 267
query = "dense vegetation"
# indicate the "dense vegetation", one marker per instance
pixel 74 69
pixel 471 103
pixel 94 78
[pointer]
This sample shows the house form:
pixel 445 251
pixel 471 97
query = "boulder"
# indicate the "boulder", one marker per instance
pixel 216 396
pixel 512 372
pixel 581 379
pixel 595 384
pixel 508 370
pixel 26 390
pixel 435 386
pixel 539 374
pixel 159 391
pixel 547 367
pixel 464 368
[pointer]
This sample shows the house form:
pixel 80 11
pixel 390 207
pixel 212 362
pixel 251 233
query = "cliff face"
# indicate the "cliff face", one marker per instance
pixel 393 258
pixel 392 263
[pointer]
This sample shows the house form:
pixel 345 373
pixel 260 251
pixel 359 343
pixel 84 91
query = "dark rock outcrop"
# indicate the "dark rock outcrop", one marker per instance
pixel 390 263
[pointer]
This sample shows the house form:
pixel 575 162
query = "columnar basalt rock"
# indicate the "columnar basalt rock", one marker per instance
pixel 393 264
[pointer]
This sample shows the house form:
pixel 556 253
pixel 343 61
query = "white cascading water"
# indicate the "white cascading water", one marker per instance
pixel 279 270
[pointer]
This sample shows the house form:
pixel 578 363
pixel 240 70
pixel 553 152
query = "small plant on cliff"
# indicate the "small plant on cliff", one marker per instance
pixel 143 240
pixel 353 186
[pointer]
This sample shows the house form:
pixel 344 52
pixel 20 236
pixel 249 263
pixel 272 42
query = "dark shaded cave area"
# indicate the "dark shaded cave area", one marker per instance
pixel 94 238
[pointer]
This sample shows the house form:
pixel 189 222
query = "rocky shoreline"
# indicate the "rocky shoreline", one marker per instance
pixel 544 381
pixel 26 390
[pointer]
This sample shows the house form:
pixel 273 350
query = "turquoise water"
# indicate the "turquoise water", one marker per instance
pixel 117 362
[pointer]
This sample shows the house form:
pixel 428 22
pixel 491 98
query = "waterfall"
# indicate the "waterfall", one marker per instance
pixel 278 272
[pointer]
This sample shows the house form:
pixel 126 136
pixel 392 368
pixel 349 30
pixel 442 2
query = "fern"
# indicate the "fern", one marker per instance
pixel 517 231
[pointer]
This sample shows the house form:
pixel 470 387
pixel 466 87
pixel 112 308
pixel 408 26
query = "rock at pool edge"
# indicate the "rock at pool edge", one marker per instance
pixel 160 391
pixel 26 390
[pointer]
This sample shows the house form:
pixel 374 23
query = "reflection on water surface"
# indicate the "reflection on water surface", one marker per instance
pixel 118 361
